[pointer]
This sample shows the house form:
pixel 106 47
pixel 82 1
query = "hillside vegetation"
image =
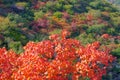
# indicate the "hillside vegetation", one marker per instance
pixel 88 21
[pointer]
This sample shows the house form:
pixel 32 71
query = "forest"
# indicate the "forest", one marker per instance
pixel 59 39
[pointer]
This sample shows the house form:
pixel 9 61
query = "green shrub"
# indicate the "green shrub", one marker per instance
pixel 57 14
pixel 50 5
pixel 68 7
pixel 85 27
pixel 95 13
pixel 70 11
pixel 111 31
pixel 21 4
pixel 15 18
pixel 96 28
pixel 16 46
pixel 5 23
pixel 116 52
pixel 16 35
pixel 58 6
pixel 40 37
pixel 86 39
pixel 38 14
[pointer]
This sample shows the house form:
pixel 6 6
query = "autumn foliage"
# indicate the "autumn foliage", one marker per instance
pixel 58 58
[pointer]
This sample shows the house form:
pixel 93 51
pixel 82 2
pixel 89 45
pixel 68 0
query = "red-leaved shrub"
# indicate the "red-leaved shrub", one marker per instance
pixel 59 58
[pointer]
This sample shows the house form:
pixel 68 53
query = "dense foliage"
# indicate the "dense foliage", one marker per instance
pixel 62 59
pixel 22 21
pixel 89 21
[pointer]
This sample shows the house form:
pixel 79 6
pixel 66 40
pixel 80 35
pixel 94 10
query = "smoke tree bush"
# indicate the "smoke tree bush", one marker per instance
pixel 58 58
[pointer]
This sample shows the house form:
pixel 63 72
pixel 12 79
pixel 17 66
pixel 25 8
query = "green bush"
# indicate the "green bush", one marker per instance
pixel 21 4
pixel 16 19
pixel 111 31
pixel 96 28
pixel 38 14
pixel 16 46
pixel 70 11
pixel 58 6
pixel 86 39
pixel 50 5
pixel 40 37
pixel 116 52
pixel 95 13
pixel 57 14
pixel 5 23
pixel 27 14
pixel 68 7
pixel 85 27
